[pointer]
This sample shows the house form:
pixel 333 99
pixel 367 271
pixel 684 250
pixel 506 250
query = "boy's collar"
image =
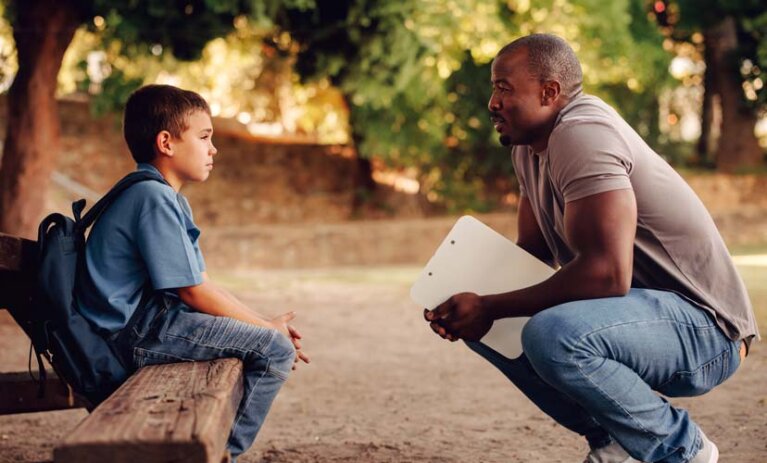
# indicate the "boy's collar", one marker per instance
pixel 145 166
pixel 148 167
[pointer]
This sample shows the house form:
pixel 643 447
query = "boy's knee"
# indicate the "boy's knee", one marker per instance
pixel 281 355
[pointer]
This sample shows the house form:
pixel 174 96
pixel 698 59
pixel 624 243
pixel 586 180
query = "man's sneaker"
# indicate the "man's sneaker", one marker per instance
pixel 708 452
pixel 612 453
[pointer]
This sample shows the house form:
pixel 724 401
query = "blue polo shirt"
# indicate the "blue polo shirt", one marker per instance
pixel 146 235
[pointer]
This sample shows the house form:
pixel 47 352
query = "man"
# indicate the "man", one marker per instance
pixel 646 297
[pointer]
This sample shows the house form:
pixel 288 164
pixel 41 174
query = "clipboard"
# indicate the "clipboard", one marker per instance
pixel 475 258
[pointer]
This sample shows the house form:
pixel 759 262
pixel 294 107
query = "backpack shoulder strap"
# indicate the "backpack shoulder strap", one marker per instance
pixel 102 204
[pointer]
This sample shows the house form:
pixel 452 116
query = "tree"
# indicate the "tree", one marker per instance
pixel 733 32
pixel 43 30
pixel 416 75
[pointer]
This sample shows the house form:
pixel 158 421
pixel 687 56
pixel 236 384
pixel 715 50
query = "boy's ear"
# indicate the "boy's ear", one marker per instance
pixel 162 143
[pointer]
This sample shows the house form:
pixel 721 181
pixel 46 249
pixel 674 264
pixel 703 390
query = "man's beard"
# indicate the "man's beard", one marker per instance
pixel 505 140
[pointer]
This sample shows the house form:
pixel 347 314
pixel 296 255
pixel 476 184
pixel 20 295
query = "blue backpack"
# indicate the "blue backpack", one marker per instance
pixel 79 354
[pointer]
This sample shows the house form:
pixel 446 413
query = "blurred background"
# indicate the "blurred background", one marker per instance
pixel 351 134
pixel 331 113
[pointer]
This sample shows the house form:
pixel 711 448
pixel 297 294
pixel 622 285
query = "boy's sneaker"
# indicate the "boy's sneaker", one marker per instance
pixel 612 453
pixel 708 452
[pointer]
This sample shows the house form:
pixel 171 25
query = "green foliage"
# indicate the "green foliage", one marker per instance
pixel 416 76
pixel 695 16
pixel 414 73
pixel 115 90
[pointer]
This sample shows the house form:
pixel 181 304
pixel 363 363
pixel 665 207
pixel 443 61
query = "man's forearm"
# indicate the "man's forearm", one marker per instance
pixel 579 279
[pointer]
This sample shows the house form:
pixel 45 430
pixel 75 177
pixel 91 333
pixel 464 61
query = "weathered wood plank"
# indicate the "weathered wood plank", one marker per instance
pixel 15 290
pixel 19 394
pixel 16 254
pixel 163 413
pixel 17 261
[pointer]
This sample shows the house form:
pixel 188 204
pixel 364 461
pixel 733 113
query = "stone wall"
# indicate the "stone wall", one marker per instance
pixel 253 181
pixel 290 205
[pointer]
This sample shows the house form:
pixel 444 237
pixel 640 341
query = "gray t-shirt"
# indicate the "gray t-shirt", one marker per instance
pixel 677 247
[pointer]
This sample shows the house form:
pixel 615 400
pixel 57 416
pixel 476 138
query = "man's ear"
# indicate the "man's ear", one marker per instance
pixel 162 143
pixel 550 92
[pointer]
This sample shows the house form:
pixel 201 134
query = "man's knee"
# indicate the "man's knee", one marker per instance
pixel 549 338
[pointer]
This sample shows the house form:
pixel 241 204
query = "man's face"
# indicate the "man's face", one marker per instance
pixel 516 104
pixel 193 151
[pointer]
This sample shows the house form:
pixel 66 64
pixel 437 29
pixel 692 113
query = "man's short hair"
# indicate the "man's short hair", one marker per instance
pixel 154 108
pixel 550 58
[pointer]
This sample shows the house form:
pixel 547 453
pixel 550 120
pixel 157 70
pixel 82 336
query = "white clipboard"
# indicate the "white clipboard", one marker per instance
pixel 475 258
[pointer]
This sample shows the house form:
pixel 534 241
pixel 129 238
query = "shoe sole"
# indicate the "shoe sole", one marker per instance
pixel 714 454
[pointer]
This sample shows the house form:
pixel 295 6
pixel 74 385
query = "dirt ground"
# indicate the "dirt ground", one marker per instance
pixel 383 388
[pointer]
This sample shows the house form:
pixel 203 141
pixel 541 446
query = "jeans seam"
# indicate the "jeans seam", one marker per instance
pixel 161 354
pixel 722 356
pixel 602 392
pixel 655 320
pixel 244 406
pixel 271 371
pixel 581 340
pixel 611 399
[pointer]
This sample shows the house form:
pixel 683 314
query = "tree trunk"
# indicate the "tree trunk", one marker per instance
pixel 708 140
pixel 43 30
pixel 738 147
pixel 364 185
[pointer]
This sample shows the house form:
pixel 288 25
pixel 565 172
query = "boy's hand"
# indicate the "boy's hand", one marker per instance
pixel 280 323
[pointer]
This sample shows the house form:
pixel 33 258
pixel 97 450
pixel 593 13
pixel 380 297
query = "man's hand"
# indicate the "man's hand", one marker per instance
pixel 460 317
pixel 280 323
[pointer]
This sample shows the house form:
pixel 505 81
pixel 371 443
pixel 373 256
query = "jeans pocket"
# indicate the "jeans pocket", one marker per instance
pixel 700 381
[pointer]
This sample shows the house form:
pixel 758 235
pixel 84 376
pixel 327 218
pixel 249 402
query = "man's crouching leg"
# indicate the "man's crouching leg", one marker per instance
pixel 551 401
pixel 608 355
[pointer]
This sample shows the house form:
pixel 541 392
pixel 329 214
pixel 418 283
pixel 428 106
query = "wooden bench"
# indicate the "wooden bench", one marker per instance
pixel 163 413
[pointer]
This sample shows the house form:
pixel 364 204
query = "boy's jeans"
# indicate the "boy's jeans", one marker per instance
pixel 175 333
pixel 592 365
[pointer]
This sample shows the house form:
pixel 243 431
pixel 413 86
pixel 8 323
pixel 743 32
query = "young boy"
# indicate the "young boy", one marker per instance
pixel 145 284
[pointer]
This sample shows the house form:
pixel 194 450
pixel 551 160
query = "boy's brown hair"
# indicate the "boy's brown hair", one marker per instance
pixel 154 108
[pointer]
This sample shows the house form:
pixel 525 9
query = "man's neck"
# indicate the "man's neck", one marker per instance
pixel 542 142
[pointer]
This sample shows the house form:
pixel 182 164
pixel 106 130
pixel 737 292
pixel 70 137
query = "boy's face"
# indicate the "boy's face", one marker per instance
pixel 193 152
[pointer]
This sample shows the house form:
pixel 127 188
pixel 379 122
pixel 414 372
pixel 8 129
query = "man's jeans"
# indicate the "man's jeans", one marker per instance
pixel 592 365
pixel 176 333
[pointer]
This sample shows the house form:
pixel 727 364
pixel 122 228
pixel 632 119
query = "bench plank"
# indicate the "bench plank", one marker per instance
pixel 174 412
pixel 17 261
pixel 18 394
pixel 16 254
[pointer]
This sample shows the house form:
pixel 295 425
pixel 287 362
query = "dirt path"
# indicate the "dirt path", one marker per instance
pixel 382 388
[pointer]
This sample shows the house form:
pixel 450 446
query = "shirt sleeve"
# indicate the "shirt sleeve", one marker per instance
pixel 589 158
pixel 167 248
pixel 192 230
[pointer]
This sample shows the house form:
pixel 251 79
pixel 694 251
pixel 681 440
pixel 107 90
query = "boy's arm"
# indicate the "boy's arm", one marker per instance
pixel 231 297
pixel 208 297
